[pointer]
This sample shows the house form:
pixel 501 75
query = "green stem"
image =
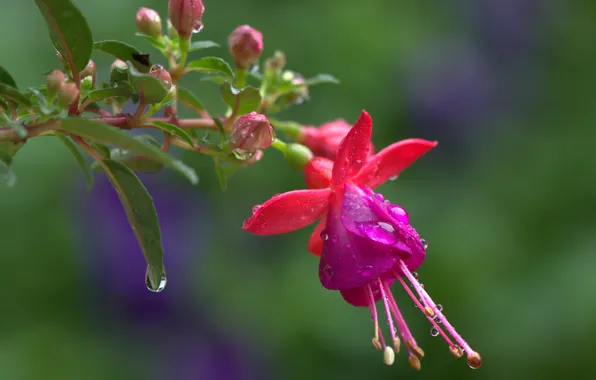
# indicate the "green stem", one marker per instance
pixel 240 78
pixel 184 46
pixel 279 145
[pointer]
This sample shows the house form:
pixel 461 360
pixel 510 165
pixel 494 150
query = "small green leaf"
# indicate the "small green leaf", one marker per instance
pixel 8 149
pixel 153 41
pixel 78 155
pixel 249 98
pixel 111 92
pixel 222 178
pixel 151 87
pixel 69 31
pixel 321 78
pixel 211 65
pixel 199 45
pixel 6 175
pixel 13 94
pixel 190 99
pixel 142 216
pixel 140 164
pixel 18 128
pixel 103 149
pixel 124 52
pixel 217 79
pixel 173 130
pixel 6 78
pixel 106 134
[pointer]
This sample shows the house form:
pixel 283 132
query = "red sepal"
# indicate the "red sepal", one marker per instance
pixel 353 150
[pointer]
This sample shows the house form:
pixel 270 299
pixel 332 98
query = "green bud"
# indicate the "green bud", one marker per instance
pixel 298 155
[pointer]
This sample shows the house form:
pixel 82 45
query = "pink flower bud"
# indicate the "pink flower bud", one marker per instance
pixel 55 81
pixel 185 16
pixel 118 64
pixel 325 140
pixel 246 45
pixel 149 22
pixel 89 71
pixel 163 75
pixel 67 94
pixel 251 132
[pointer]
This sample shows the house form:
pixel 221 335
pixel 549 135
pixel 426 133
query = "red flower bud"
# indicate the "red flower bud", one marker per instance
pixel 67 94
pixel 251 132
pixel 325 140
pixel 163 75
pixel 55 81
pixel 185 16
pixel 246 45
pixel 149 22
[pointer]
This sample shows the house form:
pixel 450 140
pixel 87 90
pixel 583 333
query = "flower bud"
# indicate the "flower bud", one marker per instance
pixel 67 94
pixel 297 156
pixel 246 45
pixel 251 132
pixel 276 63
pixel 89 71
pixel 55 81
pixel 325 140
pixel 163 75
pixel 298 95
pixel 186 16
pixel 118 64
pixel 149 22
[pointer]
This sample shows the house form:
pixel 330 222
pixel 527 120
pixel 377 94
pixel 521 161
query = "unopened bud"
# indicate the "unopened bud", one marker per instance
pixel 149 22
pixel 86 84
pixel 67 94
pixel 474 360
pixel 250 132
pixel 246 45
pixel 414 362
pixel 118 64
pixel 55 81
pixel 276 63
pixel 388 356
pixel 163 75
pixel 185 16
pixel 298 156
pixel 89 71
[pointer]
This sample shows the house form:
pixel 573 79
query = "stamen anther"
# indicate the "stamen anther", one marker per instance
pixel 415 349
pixel 396 345
pixel 474 360
pixel 414 362
pixel 388 356
pixel 376 343
pixel 429 311
pixel 456 351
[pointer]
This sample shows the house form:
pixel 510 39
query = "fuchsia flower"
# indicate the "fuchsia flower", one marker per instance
pixel 324 140
pixel 364 242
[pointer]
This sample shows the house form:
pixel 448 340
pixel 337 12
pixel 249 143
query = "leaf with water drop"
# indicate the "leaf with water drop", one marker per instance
pixel 248 98
pixel 124 52
pixel 142 216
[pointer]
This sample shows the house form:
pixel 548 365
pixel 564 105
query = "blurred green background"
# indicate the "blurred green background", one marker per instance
pixel 505 201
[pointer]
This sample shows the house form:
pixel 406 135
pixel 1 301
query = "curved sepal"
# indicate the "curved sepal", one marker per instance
pixel 315 243
pixel 317 173
pixel 287 212
pixel 390 161
pixel 353 150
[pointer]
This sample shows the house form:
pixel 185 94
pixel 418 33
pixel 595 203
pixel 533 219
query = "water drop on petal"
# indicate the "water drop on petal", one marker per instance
pixel 434 331
pixel 393 178
pixel 424 243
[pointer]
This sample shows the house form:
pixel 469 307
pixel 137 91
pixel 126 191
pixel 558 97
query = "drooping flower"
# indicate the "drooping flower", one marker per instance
pixel 324 140
pixel 365 243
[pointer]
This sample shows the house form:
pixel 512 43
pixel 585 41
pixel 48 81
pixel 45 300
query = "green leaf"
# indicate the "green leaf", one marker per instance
pixel 199 45
pixel 18 128
pixel 111 92
pixel 69 31
pixel 6 175
pixel 211 65
pixel 142 216
pixel 320 78
pixel 6 78
pixel 13 94
pixel 249 98
pixel 78 155
pixel 8 149
pixel 106 134
pixel 124 52
pixel 103 149
pixel 173 130
pixel 222 178
pixel 153 41
pixel 151 87
pixel 190 99
pixel 218 79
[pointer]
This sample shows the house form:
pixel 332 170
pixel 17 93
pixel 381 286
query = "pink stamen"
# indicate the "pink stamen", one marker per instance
pixel 401 322
pixel 421 307
pixel 387 311
pixel 373 312
pixel 427 300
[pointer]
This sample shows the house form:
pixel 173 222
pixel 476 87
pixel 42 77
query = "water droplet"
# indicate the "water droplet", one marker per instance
pixel 422 286
pixel 439 307
pixel 386 226
pixel 378 231
pixel 328 271
pixel 393 178
pixel 198 27
pixel 399 213
pixel 415 274
pixel 424 244
pixel 434 331
pixel 324 235
pixel 154 286
pixel 242 155
pixel 438 320
pixel 256 208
